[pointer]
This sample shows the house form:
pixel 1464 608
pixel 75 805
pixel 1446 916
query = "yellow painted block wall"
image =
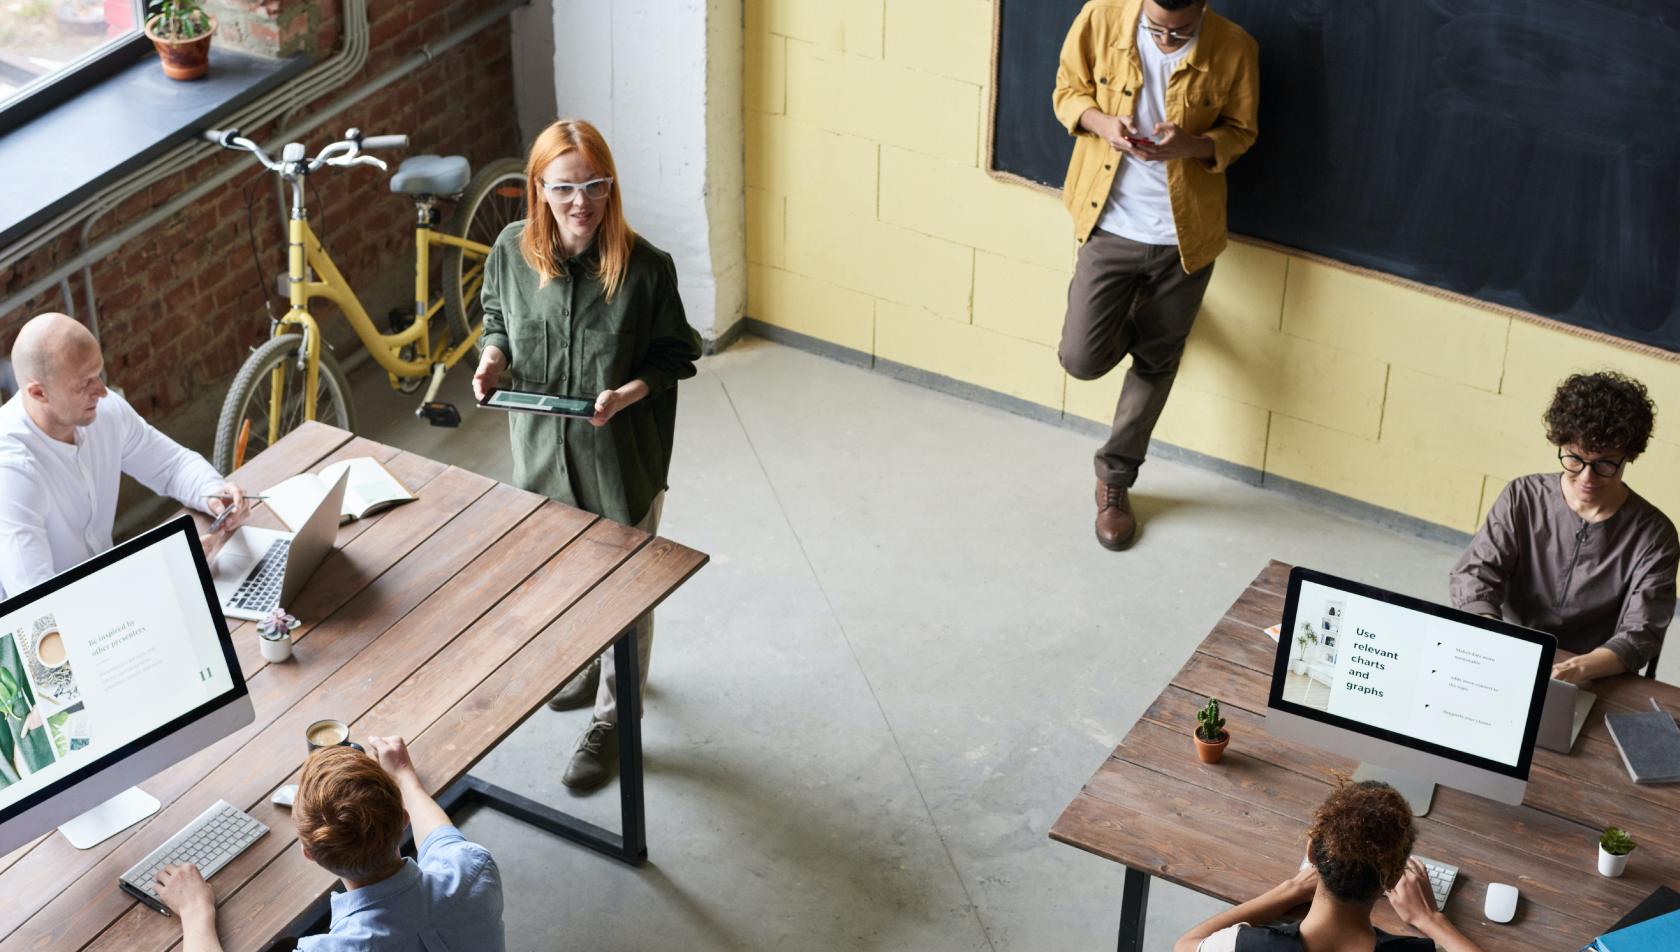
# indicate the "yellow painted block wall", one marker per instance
pixel 872 224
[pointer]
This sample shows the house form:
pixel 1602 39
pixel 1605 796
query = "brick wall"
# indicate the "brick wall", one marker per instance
pixel 872 224
pixel 180 306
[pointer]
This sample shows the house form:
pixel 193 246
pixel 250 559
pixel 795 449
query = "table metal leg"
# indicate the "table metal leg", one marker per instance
pixel 1134 908
pixel 630 846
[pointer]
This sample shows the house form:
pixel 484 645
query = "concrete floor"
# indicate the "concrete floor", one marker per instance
pixel 906 656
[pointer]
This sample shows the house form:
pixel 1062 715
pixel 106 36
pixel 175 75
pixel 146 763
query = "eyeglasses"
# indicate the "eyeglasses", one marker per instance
pixel 1605 468
pixel 1171 35
pixel 563 192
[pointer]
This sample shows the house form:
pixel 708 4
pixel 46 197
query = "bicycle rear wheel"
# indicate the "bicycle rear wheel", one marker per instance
pixel 252 392
pixel 493 200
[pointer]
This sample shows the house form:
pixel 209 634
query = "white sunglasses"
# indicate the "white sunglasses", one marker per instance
pixel 563 192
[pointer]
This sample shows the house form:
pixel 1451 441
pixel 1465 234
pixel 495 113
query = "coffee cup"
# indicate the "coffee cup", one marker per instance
pixel 50 649
pixel 328 732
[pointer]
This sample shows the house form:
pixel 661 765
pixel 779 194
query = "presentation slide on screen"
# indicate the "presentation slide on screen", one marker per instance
pixel 102 662
pixel 1411 673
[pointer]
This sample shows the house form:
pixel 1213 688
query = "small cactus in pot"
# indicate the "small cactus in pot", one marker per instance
pixel 1210 736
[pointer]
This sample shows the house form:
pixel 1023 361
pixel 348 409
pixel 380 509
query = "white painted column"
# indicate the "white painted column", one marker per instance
pixel 661 79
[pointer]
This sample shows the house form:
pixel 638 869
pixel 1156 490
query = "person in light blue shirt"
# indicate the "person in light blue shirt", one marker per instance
pixel 350 812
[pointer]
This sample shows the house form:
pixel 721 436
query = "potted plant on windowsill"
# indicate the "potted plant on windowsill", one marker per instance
pixel 275 633
pixel 1210 736
pixel 1613 849
pixel 181 31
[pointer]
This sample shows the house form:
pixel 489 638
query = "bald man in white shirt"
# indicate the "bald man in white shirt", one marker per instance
pixel 65 441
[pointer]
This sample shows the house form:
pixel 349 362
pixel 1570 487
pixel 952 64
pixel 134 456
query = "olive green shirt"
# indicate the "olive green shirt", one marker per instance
pixel 566 338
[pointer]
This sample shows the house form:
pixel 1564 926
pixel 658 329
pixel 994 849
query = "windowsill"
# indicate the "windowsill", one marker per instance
pixel 67 154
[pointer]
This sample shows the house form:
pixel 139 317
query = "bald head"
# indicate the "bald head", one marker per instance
pixel 51 346
pixel 58 367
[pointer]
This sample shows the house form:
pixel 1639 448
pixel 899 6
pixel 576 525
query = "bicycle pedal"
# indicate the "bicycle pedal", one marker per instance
pixel 439 414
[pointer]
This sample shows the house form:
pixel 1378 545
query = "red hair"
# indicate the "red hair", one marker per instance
pixel 540 245
pixel 348 812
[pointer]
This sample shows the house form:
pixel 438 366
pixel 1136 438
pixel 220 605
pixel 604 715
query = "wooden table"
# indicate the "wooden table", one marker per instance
pixel 1234 829
pixel 447 621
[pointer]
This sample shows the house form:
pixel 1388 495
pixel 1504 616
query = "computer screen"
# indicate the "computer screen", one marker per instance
pixel 1400 669
pixel 105 659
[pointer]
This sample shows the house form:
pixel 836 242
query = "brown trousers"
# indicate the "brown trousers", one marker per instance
pixel 1127 297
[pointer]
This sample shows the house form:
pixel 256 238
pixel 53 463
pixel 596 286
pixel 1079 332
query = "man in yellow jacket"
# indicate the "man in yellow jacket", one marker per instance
pixel 1162 96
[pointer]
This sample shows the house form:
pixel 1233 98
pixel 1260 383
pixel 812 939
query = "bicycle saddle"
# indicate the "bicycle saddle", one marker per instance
pixel 432 175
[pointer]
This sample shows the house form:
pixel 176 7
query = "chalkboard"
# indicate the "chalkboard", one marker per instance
pixel 1523 152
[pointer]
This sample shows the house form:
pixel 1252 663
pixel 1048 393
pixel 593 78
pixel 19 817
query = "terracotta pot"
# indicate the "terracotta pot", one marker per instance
pixel 183 59
pixel 1210 753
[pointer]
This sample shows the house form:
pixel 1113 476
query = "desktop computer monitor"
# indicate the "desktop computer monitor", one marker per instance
pixel 109 673
pixel 1421 693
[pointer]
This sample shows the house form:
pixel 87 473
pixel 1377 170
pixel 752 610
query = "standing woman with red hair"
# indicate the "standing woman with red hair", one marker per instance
pixel 575 303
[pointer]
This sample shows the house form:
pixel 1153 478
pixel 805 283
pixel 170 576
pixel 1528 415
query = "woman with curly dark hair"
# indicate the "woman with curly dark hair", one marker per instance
pixel 1359 848
pixel 1580 554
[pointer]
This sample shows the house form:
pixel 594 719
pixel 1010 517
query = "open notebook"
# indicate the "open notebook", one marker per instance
pixel 371 488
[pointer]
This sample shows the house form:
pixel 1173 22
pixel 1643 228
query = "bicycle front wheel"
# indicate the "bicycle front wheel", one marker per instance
pixel 493 200
pixel 253 394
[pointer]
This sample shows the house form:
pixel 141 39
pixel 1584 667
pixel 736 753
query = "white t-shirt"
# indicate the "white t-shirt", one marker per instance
pixel 58 501
pixel 1225 940
pixel 1138 206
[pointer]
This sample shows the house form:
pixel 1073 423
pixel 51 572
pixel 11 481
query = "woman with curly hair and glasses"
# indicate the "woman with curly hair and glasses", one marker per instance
pixel 1359 848
pixel 1579 554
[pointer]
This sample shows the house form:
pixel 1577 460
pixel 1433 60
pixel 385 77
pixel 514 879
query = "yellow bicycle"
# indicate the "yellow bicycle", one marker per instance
pixel 291 379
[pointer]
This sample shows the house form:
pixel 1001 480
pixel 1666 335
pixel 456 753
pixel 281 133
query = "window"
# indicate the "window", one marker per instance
pixel 51 50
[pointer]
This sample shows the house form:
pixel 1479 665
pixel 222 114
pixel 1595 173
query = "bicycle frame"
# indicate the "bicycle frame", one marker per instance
pixel 305 255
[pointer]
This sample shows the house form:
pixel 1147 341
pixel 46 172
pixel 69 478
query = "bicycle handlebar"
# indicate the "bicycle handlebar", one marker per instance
pixel 342 153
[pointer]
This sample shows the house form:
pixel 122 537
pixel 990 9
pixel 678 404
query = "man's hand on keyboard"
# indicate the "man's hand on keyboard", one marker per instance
pixel 186 892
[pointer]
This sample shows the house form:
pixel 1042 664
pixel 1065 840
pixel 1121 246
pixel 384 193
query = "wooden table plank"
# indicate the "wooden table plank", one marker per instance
pixel 296 452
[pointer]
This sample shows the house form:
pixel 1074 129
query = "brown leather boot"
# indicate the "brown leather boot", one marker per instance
pixel 1116 526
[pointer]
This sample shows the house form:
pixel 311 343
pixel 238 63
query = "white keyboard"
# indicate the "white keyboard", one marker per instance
pixel 209 842
pixel 1441 877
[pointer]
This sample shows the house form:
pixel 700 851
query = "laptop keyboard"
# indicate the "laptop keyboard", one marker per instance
pixel 260 591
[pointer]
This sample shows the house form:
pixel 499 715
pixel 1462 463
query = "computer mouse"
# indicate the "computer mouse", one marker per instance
pixel 1501 902
pixel 284 796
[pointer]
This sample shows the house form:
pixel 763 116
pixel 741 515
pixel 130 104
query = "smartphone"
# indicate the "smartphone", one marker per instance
pixel 1137 141
pixel 555 404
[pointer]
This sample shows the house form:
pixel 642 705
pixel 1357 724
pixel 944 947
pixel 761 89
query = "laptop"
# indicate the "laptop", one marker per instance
pixel 258 570
pixel 1564 715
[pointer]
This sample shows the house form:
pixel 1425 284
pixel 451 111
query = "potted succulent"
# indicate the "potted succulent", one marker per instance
pixel 1210 736
pixel 276 634
pixel 181 31
pixel 1613 849
pixel 1298 664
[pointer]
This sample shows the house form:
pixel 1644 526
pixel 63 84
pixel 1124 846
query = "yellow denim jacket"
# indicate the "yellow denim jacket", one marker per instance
pixel 1215 91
